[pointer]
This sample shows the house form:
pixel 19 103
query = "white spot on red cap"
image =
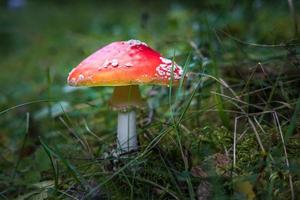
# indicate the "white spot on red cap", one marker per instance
pixel 72 82
pixel 133 42
pixel 128 65
pixel 114 63
pixel 106 63
pixel 167 69
pixel 165 60
pixel 80 77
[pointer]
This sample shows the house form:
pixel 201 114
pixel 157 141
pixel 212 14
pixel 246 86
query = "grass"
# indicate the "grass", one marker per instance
pixel 230 131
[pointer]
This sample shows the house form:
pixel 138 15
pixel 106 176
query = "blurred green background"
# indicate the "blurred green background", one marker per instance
pixel 251 45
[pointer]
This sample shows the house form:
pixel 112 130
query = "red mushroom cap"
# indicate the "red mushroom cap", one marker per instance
pixel 125 63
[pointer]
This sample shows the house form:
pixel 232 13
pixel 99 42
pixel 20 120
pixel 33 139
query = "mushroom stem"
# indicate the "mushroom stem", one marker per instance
pixel 127 138
pixel 125 99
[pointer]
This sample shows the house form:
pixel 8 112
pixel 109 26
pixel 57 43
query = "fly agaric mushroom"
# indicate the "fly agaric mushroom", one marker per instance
pixel 125 65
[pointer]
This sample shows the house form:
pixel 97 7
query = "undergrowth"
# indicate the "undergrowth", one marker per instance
pixel 229 131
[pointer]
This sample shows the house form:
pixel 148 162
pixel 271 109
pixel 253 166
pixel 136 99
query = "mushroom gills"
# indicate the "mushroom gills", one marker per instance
pixel 127 97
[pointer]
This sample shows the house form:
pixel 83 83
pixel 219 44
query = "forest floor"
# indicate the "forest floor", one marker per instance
pixel 230 131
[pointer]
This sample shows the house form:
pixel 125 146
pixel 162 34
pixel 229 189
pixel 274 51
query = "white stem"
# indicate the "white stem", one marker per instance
pixel 127 138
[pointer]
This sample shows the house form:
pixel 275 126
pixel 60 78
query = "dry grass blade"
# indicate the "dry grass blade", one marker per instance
pixel 234 141
pixel 257 136
pixel 75 134
pixel 277 124
pixel 294 16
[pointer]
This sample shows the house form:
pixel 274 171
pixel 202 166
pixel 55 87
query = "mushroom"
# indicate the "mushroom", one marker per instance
pixel 125 65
